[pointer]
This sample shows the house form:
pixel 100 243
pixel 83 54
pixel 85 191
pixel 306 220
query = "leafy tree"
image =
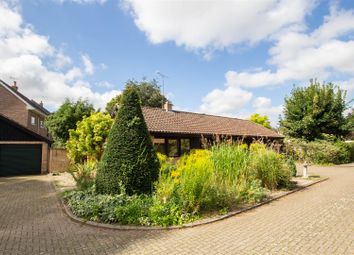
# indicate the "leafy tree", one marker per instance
pixel 261 119
pixel 129 162
pixel 315 111
pixel 87 140
pixel 65 118
pixel 350 119
pixel 148 91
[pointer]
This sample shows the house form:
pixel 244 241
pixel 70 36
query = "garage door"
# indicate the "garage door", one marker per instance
pixel 20 159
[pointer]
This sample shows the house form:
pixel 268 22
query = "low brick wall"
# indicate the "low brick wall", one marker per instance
pixel 58 160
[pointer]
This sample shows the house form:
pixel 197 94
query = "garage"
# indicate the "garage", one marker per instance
pixel 22 151
pixel 20 159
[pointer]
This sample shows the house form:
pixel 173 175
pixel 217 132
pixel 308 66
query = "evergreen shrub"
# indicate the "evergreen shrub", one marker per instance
pixel 129 161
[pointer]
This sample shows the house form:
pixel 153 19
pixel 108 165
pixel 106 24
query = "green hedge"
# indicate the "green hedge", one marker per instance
pixel 320 151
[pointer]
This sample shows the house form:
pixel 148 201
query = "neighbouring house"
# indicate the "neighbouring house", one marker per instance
pixel 177 132
pixel 24 140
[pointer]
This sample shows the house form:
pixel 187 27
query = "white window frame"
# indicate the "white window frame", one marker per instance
pixel 33 120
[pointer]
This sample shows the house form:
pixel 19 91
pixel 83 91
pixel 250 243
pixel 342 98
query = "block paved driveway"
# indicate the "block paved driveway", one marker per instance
pixel 318 220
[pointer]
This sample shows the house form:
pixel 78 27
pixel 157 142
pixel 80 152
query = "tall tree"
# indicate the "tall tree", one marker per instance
pixel 313 111
pixel 65 118
pixel 261 120
pixel 129 161
pixel 148 91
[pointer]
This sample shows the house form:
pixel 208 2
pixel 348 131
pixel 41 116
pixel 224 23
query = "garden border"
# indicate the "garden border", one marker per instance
pixel 76 219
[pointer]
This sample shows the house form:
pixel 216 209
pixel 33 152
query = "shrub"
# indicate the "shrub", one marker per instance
pixel 205 180
pixel 129 160
pixel 270 168
pixel 320 151
pixel 231 161
pixel 84 174
pixel 87 140
pixel 292 166
pixel 222 177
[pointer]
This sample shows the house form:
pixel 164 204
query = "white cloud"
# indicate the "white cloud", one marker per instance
pixel 264 106
pixel 209 25
pixel 225 102
pixel 262 102
pixel 61 60
pixel 89 67
pixel 83 1
pixel 298 56
pixel 105 84
pixel 23 56
pixel 73 74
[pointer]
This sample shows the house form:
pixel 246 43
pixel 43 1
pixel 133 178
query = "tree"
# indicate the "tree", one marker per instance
pixel 65 118
pixel 129 162
pixel 87 140
pixel 261 120
pixel 148 91
pixel 315 111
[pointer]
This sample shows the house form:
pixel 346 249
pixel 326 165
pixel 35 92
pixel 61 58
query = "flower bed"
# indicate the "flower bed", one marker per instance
pixel 202 183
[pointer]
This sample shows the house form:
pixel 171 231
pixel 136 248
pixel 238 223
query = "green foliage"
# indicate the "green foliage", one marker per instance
pixel 270 168
pixel 124 209
pixel 292 166
pixel 222 177
pixel 120 208
pixel 65 118
pixel 320 151
pixel 315 110
pixel 87 140
pixel 149 92
pixel 261 120
pixel 129 161
pixel 84 174
pixel 215 180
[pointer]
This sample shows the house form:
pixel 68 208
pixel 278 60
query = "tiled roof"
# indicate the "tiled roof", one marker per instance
pixel 178 122
pixel 31 102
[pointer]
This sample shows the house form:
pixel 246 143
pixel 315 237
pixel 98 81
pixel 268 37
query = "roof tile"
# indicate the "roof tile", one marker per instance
pixel 160 120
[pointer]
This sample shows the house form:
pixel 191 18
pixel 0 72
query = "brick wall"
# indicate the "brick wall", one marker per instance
pixel 58 160
pixel 13 107
pixel 37 125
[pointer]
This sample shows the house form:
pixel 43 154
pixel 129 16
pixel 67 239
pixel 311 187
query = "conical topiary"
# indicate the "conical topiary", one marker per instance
pixel 129 161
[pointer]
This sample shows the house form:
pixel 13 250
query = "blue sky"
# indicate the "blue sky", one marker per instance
pixel 221 57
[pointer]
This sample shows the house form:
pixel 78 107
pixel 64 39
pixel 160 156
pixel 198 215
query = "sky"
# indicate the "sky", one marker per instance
pixel 223 57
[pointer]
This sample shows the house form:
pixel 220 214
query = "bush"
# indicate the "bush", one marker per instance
pixel 87 140
pixel 84 174
pixel 222 177
pixel 292 166
pixel 270 168
pixel 129 161
pixel 125 209
pixel 320 151
pixel 205 180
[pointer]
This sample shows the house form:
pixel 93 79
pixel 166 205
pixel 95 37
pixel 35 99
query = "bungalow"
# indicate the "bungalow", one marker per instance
pixel 176 132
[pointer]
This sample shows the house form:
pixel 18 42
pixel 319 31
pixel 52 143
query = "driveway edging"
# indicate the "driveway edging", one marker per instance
pixel 76 219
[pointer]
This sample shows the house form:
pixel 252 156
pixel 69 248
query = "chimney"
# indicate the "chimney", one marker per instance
pixel 167 106
pixel 41 103
pixel 14 86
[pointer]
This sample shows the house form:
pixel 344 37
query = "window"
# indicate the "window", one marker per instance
pixel 172 148
pixel 33 120
pixel 185 146
pixel 41 124
pixel 159 144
